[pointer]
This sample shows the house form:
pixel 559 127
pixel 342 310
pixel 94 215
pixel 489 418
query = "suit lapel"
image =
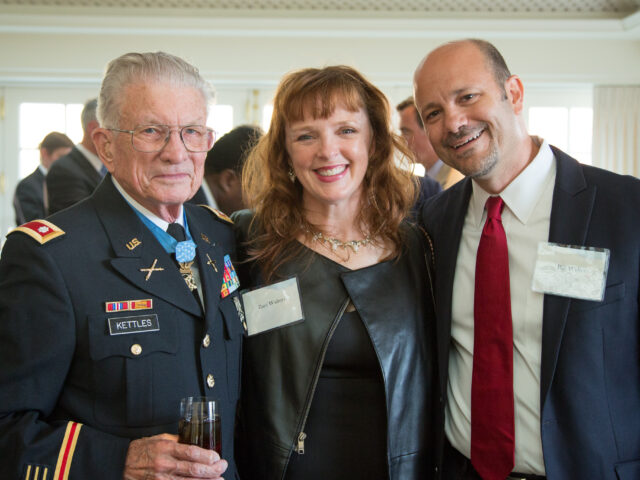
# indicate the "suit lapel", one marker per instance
pixel 139 257
pixel 571 211
pixel 447 246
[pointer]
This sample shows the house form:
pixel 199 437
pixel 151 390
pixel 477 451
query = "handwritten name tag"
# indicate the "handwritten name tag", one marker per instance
pixel 272 306
pixel 137 324
pixel 568 271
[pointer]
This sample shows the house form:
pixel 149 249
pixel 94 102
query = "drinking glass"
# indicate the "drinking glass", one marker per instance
pixel 200 423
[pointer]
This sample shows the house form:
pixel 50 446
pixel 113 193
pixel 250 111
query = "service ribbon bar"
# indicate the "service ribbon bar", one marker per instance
pixel 126 305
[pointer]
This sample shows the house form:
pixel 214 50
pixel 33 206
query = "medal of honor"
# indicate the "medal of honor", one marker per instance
pixel 185 253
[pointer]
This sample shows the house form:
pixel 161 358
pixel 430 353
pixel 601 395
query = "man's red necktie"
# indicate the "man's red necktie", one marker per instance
pixel 492 423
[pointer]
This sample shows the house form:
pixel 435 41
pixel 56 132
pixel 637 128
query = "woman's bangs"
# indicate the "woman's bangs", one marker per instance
pixel 322 101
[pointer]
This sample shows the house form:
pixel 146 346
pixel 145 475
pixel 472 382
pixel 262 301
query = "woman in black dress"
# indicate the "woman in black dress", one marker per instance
pixel 346 392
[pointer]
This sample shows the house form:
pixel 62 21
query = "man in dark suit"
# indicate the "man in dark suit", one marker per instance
pixel 563 368
pixel 116 308
pixel 28 200
pixel 76 175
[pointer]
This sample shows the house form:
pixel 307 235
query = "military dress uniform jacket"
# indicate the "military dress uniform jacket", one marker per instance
pixel 72 393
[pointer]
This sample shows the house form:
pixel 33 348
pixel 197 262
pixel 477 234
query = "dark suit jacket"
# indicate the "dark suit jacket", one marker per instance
pixel 70 179
pixel 28 200
pixel 427 188
pixel 590 373
pixel 59 364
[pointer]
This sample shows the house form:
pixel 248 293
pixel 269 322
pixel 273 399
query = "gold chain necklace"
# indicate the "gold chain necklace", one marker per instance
pixel 334 243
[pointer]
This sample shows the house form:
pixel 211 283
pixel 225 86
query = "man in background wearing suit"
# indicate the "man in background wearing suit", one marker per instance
pixel 28 201
pixel 538 338
pixel 76 175
pixel 114 309
pixel 413 132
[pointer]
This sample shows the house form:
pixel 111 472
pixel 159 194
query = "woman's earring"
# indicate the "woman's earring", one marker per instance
pixel 292 175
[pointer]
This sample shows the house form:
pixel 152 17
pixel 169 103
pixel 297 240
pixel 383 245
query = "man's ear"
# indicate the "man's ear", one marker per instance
pixel 103 141
pixel 515 93
pixel 228 179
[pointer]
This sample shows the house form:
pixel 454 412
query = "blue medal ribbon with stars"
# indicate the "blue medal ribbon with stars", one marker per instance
pixel 185 251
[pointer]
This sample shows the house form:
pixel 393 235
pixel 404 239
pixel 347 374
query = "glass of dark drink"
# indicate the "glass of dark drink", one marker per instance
pixel 199 423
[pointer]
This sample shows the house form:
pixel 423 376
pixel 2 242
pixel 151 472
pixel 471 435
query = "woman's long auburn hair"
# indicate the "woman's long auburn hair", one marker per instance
pixel 388 190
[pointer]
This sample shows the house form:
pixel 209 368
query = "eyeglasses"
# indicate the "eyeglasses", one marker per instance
pixel 153 138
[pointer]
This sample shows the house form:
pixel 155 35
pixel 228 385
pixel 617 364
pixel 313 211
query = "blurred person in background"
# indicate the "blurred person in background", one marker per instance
pixel 413 132
pixel 29 198
pixel 76 175
pixel 223 167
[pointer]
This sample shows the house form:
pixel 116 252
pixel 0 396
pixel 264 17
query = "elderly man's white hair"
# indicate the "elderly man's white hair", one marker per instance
pixel 132 68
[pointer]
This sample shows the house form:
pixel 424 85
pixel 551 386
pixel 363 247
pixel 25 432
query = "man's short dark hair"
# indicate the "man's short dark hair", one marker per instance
pixel 409 102
pixel 231 150
pixel 55 140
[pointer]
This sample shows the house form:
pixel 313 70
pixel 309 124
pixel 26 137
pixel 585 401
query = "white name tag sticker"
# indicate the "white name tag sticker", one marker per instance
pixel 272 306
pixel 576 272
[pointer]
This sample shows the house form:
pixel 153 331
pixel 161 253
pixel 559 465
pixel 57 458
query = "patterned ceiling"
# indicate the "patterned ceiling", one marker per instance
pixel 456 8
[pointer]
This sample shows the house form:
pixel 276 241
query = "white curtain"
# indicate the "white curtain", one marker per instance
pixel 616 129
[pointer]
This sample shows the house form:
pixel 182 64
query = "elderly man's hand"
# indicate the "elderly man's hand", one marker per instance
pixel 161 457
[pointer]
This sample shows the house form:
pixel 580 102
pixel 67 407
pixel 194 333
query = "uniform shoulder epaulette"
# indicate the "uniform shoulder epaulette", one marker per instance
pixel 221 215
pixel 40 230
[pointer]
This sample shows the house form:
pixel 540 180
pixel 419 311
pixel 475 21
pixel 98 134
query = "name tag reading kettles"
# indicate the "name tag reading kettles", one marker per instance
pixel 136 324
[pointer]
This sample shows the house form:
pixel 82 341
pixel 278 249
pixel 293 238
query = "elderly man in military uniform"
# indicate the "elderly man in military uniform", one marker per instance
pixel 113 310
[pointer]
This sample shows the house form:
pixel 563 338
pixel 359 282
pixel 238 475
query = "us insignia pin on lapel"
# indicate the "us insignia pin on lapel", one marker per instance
pixel 133 243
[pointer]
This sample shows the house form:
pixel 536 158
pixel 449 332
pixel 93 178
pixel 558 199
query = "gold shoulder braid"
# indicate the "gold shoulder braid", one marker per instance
pixel 221 215
pixel 40 230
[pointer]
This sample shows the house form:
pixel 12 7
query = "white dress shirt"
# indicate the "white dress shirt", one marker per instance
pixel 525 218
pixel 211 200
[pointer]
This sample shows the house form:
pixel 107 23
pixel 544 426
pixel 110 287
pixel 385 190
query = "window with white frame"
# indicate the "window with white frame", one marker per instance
pixel 221 119
pixel 563 116
pixel 36 120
